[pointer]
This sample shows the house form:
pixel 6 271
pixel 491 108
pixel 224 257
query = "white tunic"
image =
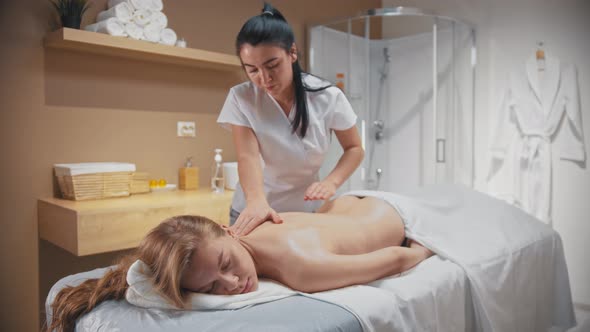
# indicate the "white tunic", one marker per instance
pixel 530 117
pixel 291 163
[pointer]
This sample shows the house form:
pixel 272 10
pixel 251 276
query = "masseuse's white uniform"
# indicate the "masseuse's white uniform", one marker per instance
pixel 291 164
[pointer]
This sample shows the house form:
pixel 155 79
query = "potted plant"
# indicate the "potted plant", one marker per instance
pixel 71 11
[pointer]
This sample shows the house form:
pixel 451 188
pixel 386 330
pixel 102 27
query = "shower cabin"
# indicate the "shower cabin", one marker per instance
pixel 409 76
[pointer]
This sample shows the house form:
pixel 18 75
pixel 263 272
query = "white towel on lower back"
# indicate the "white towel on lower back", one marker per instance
pixel 111 26
pixel 122 11
pixel 513 262
pixel 168 37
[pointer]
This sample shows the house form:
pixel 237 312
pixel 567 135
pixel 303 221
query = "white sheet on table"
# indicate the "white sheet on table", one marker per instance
pixel 515 264
pixel 431 294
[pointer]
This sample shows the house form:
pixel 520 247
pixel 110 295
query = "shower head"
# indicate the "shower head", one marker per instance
pixel 386 54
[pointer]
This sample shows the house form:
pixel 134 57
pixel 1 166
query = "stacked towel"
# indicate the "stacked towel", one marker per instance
pixel 121 11
pixel 110 26
pixel 152 32
pixel 136 19
pixel 142 17
pixel 168 37
pixel 159 19
pixel 134 31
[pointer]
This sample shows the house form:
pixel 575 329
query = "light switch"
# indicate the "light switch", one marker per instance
pixel 186 129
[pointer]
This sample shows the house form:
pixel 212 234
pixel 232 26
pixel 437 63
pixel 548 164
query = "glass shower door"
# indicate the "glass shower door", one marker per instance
pixel 410 80
pixel 454 67
pixel 339 54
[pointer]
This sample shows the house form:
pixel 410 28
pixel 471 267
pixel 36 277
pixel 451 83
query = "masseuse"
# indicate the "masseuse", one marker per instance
pixel 285 116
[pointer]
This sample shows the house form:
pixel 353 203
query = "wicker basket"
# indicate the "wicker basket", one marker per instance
pixel 94 185
pixel 140 183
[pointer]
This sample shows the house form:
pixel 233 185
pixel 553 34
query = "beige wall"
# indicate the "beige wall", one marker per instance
pixel 58 106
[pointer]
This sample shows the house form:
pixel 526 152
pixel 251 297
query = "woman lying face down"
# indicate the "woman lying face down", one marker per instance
pixel 348 241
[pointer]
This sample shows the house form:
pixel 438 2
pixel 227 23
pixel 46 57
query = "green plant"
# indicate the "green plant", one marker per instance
pixel 71 11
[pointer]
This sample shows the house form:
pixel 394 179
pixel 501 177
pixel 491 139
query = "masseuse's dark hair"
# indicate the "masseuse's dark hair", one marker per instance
pixel 271 28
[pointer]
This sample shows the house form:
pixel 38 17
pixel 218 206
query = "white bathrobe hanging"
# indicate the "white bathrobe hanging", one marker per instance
pixel 529 119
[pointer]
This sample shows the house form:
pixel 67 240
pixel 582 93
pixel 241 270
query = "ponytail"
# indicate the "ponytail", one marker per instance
pixel 301 113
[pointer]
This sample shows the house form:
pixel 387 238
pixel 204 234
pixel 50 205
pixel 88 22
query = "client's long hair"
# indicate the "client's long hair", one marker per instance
pixel 167 250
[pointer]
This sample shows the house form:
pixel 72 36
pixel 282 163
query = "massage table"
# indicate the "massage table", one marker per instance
pixel 496 269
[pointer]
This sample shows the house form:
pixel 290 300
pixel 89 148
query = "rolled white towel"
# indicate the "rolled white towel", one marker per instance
pixel 134 31
pixel 181 43
pixel 141 4
pixel 142 17
pixel 122 11
pixel 151 32
pixel 160 19
pixel 110 26
pixel 168 37
pixel 113 3
pixel 156 5
pixel 91 27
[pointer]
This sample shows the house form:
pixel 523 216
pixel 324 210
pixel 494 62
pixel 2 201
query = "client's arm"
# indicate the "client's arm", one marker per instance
pixel 334 271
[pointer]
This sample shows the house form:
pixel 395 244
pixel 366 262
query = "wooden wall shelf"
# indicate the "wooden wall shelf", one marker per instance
pixel 99 43
pixel 99 226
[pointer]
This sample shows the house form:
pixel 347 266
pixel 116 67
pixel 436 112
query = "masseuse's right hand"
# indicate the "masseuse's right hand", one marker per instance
pixel 253 215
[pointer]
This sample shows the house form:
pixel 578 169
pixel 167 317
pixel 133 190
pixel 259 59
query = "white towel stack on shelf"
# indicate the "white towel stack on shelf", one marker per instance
pixel 136 19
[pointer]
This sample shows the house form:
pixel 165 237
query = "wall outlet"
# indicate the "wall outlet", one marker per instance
pixel 186 129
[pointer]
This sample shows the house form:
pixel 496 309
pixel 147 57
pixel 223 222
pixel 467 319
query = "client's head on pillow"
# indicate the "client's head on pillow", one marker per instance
pixel 184 254
pixel 195 254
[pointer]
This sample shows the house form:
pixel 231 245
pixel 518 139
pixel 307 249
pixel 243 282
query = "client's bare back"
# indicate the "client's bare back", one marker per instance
pixel 346 225
pixel 349 240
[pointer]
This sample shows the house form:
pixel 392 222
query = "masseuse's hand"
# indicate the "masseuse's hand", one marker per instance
pixel 253 215
pixel 322 190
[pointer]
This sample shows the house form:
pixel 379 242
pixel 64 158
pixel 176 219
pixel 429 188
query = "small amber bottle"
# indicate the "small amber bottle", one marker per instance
pixel 188 176
pixel 340 80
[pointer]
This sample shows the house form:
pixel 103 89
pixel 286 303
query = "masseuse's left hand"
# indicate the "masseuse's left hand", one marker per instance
pixel 322 190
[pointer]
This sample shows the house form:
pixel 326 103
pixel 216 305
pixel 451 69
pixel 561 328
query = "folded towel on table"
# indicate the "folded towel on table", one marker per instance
pixel 168 37
pixel 141 293
pixel 92 168
pixel 142 17
pixel 122 11
pixel 134 31
pixel 110 26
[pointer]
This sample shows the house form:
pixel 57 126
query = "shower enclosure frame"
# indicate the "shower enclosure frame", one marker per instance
pixel 439 143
